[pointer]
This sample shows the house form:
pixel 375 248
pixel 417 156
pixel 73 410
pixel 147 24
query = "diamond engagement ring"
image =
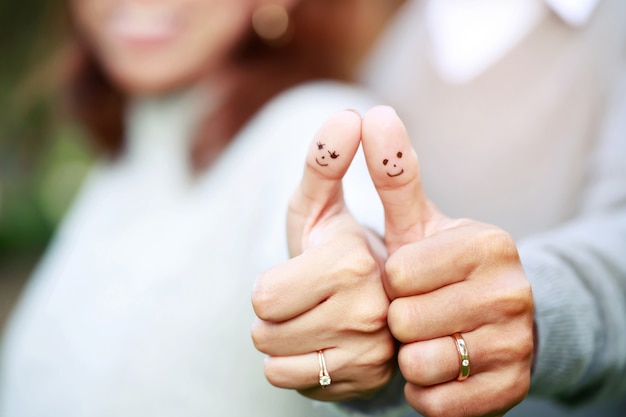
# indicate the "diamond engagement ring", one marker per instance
pixel 324 377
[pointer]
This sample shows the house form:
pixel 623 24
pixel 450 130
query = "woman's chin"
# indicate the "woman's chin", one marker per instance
pixel 150 81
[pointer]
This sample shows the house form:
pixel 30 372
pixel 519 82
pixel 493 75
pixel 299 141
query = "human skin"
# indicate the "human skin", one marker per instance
pixel 316 300
pixel 445 276
pixel 154 46
pixel 442 276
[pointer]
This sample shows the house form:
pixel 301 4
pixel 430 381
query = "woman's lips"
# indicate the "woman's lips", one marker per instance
pixel 145 24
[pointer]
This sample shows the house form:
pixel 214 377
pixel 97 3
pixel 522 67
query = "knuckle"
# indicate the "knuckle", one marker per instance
pixel 496 243
pixel 402 315
pixel 514 298
pixel 384 352
pixel 420 364
pixel 514 387
pixel 411 364
pixel 371 317
pixel 359 263
pixel 434 406
pixel 396 276
pixel 385 373
pixel 263 299
pixel 521 384
pixel 352 264
pixel 259 336
pixel 272 375
pixel 378 364
pixel 360 274
pixel 274 380
pixel 516 348
pixel 528 345
pixel 381 375
pixel 523 342
pixel 394 320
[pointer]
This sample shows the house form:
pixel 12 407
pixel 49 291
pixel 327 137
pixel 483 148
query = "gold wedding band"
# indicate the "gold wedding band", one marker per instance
pixel 464 360
pixel 324 377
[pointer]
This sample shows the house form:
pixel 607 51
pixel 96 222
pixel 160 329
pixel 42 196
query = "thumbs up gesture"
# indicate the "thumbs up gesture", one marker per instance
pixel 461 304
pixel 322 314
pixel 451 291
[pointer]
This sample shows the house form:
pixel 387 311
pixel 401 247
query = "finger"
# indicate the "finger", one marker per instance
pixel 300 371
pixel 432 362
pixel 393 166
pixel 436 361
pixel 314 330
pixel 283 292
pixel 302 283
pixel 501 297
pixel 328 159
pixel 294 337
pixel 439 313
pixel 460 307
pixel 346 368
pixel 448 256
pixel 486 394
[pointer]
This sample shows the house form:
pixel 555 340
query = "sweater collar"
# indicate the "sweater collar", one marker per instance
pixel 160 131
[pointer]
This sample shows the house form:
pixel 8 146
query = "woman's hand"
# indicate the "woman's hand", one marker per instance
pixel 329 297
pixel 447 276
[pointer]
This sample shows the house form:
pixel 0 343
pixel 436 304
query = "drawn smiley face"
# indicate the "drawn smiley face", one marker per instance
pixel 322 160
pixel 395 172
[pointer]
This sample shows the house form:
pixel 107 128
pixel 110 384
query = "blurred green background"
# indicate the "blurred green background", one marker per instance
pixel 43 156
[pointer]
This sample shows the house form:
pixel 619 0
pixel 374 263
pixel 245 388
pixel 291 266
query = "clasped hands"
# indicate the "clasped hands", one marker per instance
pixel 373 305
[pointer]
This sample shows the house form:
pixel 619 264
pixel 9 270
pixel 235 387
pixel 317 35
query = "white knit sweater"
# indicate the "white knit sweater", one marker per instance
pixel 141 306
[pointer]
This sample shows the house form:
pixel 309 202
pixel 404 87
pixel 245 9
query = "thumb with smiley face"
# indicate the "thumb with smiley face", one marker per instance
pixel 319 335
pixel 461 304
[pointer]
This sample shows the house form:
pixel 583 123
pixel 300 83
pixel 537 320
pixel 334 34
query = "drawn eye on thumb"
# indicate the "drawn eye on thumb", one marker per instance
pixel 321 158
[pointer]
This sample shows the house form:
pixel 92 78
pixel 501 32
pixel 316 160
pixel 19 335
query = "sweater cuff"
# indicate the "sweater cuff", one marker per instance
pixel 565 320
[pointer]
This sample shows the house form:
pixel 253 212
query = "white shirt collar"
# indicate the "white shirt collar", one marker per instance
pixel 468 36
pixel 574 12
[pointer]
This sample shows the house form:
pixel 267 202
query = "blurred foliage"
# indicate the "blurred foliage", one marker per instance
pixel 43 157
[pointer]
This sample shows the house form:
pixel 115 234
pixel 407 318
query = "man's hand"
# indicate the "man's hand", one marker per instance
pixel 446 276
